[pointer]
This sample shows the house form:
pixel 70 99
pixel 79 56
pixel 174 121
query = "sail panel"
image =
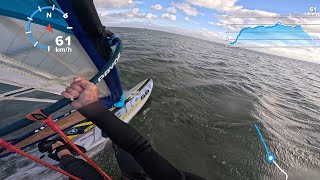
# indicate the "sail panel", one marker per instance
pixel 25 65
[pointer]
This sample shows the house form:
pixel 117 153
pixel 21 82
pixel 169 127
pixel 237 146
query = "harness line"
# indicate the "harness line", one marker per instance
pixel 15 149
pixel 38 116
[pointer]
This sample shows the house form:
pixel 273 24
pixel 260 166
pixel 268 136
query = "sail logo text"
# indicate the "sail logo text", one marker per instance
pixel 109 69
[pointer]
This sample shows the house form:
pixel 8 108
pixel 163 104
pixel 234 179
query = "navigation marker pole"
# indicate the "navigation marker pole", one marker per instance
pixel 270 156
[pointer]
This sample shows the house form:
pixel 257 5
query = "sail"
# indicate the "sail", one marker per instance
pixel 29 74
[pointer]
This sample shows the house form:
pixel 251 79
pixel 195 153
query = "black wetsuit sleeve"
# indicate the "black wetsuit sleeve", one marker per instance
pixel 127 138
pixel 79 168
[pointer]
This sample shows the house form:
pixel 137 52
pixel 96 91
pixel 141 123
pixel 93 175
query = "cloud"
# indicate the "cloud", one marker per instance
pixel 190 20
pixel 229 7
pixel 151 16
pixel 135 10
pixel 172 10
pixel 124 16
pixel 115 3
pixel 168 16
pixel 211 35
pixel 218 5
pixel 157 7
pixel 186 8
pixel 231 11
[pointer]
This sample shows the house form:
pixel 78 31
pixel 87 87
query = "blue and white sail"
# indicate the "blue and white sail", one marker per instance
pixel 28 71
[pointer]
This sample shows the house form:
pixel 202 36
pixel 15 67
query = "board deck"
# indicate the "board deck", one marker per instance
pixel 135 99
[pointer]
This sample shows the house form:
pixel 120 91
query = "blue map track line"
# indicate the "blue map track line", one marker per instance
pixel 262 139
pixel 270 156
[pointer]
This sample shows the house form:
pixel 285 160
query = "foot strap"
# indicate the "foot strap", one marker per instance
pixel 45 146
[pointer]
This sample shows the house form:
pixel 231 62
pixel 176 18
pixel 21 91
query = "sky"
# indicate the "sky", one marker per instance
pixel 210 19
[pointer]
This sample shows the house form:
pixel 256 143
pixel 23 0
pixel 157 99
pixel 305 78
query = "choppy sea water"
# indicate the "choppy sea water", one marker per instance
pixel 205 102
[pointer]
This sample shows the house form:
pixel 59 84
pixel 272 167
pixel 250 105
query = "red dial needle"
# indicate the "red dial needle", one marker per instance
pixel 49 28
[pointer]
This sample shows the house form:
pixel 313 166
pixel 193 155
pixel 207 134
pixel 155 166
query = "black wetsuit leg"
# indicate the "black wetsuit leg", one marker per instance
pixel 79 168
pixel 129 167
pixel 127 138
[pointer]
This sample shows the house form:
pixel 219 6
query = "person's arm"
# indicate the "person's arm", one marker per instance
pixel 79 168
pixel 122 134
